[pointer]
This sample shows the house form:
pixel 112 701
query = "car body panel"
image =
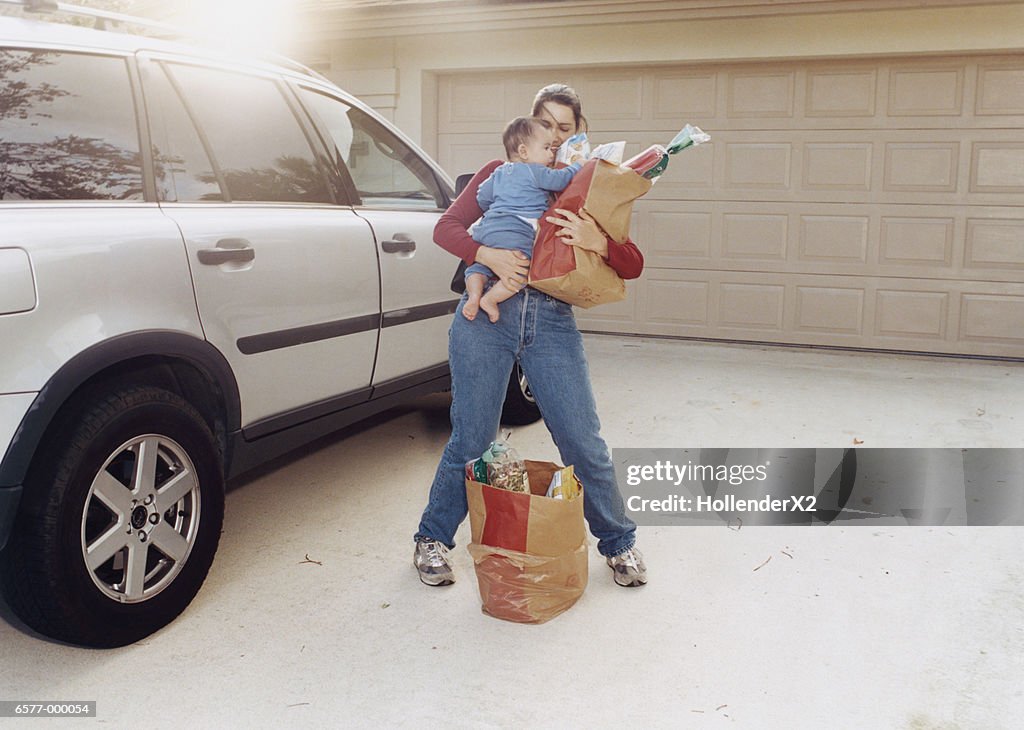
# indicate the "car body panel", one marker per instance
pixel 312 266
pixel 417 311
pixel 102 270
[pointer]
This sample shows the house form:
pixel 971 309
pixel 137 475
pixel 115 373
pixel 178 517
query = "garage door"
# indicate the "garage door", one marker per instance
pixel 869 203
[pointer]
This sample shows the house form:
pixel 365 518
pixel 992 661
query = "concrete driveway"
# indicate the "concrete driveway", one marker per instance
pixel 312 615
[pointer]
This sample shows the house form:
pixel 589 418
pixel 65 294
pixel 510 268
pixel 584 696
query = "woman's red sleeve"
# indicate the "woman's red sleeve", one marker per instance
pixel 625 258
pixel 452 230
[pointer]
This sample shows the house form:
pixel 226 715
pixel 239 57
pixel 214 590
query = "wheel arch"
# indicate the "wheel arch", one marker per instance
pixel 181 363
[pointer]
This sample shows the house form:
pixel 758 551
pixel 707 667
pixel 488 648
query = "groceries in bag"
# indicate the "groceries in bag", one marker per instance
pixel 501 467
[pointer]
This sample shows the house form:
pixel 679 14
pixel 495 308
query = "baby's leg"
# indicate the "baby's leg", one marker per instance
pixel 474 288
pixel 495 295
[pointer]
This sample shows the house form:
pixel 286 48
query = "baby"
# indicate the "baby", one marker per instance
pixel 513 198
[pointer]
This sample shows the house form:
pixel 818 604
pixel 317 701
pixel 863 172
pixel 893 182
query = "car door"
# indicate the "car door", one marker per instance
pixel 286 276
pixel 401 195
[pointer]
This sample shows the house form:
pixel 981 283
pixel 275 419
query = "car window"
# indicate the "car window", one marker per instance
pixel 385 170
pixel 183 170
pixel 67 128
pixel 259 150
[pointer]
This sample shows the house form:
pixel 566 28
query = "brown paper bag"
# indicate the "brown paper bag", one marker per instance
pixel 576 276
pixel 530 551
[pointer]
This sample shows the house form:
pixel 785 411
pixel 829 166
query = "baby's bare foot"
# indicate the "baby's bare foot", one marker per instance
pixel 491 308
pixel 470 308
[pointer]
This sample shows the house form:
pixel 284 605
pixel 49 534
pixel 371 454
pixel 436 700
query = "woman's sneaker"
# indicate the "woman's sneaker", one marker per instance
pixel 628 568
pixel 432 562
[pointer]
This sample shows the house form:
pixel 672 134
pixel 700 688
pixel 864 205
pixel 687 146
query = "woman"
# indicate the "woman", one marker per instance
pixel 540 332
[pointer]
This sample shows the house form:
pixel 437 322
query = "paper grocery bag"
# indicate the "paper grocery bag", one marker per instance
pixel 574 275
pixel 530 551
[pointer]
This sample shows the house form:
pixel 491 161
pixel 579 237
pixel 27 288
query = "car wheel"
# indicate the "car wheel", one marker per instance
pixel 520 408
pixel 119 522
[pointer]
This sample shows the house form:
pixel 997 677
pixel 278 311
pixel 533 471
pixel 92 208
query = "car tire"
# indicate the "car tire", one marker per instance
pixel 520 408
pixel 119 521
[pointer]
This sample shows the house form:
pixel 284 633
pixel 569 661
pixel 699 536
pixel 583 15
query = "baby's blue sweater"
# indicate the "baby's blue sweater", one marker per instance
pixel 516 191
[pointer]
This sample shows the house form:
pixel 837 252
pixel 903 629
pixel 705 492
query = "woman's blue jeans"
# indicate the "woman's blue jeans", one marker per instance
pixel 540 332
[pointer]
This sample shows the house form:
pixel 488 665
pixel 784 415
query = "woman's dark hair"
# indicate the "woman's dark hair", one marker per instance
pixel 519 131
pixel 564 95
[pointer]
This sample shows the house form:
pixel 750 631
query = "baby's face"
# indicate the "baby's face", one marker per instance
pixel 539 148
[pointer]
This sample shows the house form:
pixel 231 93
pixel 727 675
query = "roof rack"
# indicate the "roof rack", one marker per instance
pixel 101 18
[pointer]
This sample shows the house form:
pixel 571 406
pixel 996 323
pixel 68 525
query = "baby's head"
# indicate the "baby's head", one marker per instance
pixel 528 139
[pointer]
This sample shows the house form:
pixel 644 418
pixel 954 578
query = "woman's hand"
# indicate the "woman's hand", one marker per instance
pixel 580 230
pixel 511 267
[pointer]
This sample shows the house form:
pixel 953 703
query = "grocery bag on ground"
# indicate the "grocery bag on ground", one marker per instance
pixel 572 274
pixel 529 550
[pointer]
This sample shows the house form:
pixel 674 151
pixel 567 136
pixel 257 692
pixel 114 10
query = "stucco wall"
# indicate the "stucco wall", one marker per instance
pixel 397 74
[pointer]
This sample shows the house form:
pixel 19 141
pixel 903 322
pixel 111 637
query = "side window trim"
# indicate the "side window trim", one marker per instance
pixel 335 181
pixel 142 129
pixel 411 148
pixel 344 176
pixel 225 192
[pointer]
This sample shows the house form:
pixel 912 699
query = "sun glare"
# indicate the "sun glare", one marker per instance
pixel 243 25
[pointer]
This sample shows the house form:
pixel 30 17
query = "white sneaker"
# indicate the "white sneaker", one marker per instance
pixel 628 568
pixel 432 562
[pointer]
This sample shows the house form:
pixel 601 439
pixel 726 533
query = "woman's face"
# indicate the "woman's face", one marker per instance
pixel 561 119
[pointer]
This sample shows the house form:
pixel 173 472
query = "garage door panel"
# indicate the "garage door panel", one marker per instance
pixel 996 243
pixel 761 94
pixel 841 92
pixel 751 306
pixel 997 167
pixel 613 97
pixel 842 166
pixel 834 238
pixel 684 96
pixel 1000 89
pixel 863 202
pixel 900 314
pixel 992 318
pixel 926 91
pixel 833 310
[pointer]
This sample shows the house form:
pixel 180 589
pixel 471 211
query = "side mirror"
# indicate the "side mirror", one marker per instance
pixel 461 182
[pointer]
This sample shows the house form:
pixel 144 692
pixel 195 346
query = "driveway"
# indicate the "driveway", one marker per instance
pixel 313 616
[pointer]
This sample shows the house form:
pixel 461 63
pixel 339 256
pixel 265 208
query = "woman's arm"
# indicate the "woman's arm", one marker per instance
pixel 626 259
pixel 452 235
pixel 451 232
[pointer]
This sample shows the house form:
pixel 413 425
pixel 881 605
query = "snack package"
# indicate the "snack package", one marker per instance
pixel 610 152
pixel 477 470
pixel 564 485
pixel 503 468
pixel 574 149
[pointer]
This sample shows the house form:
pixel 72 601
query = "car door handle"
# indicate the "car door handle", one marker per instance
pixel 401 243
pixel 228 249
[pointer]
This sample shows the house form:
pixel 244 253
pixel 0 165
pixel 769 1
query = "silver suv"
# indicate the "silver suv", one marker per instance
pixel 205 263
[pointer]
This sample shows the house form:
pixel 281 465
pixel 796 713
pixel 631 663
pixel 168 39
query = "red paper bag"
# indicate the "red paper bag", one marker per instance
pixel 580 277
pixel 530 551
